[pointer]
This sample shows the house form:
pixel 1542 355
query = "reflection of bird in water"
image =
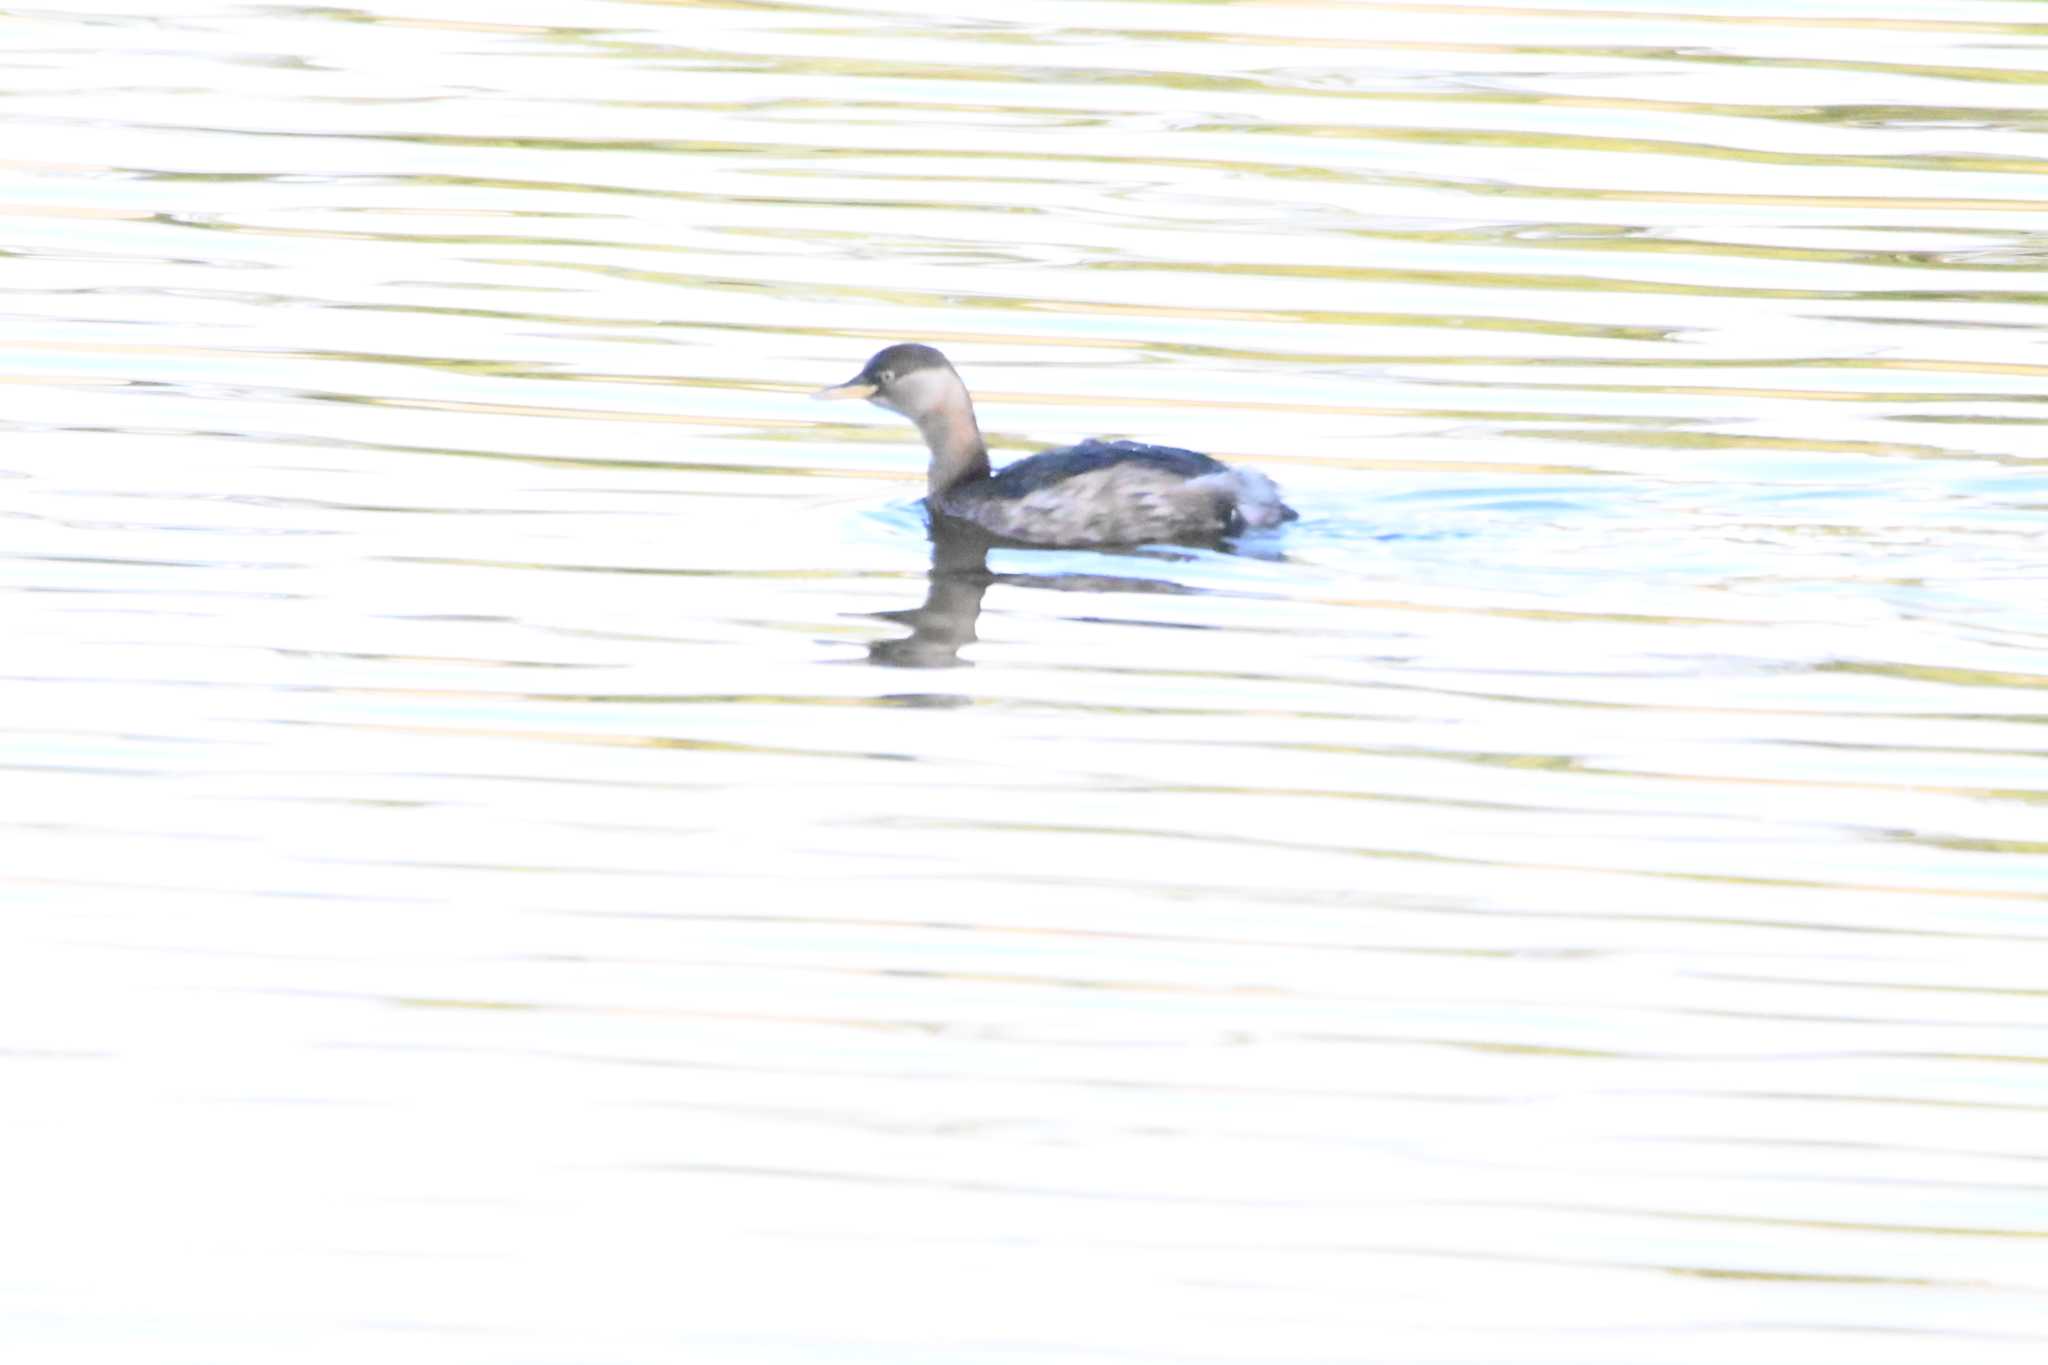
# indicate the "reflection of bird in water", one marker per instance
pixel 1095 493
pixel 952 604
pixel 944 624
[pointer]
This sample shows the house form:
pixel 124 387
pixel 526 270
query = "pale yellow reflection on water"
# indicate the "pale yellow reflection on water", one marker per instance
pixel 1578 896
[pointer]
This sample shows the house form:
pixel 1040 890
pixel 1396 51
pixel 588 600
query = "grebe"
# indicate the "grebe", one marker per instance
pixel 1094 493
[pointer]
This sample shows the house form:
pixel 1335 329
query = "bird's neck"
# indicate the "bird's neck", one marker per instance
pixel 958 452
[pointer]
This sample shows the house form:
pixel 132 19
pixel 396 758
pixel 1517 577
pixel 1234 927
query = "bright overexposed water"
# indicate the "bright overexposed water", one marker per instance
pixel 516 846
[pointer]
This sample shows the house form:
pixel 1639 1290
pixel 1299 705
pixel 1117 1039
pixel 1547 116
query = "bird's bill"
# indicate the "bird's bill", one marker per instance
pixel 852 389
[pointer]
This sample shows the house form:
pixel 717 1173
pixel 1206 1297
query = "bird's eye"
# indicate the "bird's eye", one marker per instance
pixel 888 376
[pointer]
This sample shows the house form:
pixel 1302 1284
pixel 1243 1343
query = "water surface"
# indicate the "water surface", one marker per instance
pixel 519 847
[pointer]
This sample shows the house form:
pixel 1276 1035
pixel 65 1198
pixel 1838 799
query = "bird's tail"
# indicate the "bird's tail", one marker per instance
pixel 1254 497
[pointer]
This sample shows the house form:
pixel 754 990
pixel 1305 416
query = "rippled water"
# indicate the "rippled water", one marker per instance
pixel 1577 896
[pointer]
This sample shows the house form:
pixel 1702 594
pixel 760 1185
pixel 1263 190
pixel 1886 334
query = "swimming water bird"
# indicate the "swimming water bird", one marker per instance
pixel 1094 493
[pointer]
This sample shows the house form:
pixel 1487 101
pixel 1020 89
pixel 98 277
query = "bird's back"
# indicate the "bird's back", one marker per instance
pixel 1049 468
pixel 1116 492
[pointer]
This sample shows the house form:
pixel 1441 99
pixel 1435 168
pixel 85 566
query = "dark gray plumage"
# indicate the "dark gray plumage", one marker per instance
pixel 1094 493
